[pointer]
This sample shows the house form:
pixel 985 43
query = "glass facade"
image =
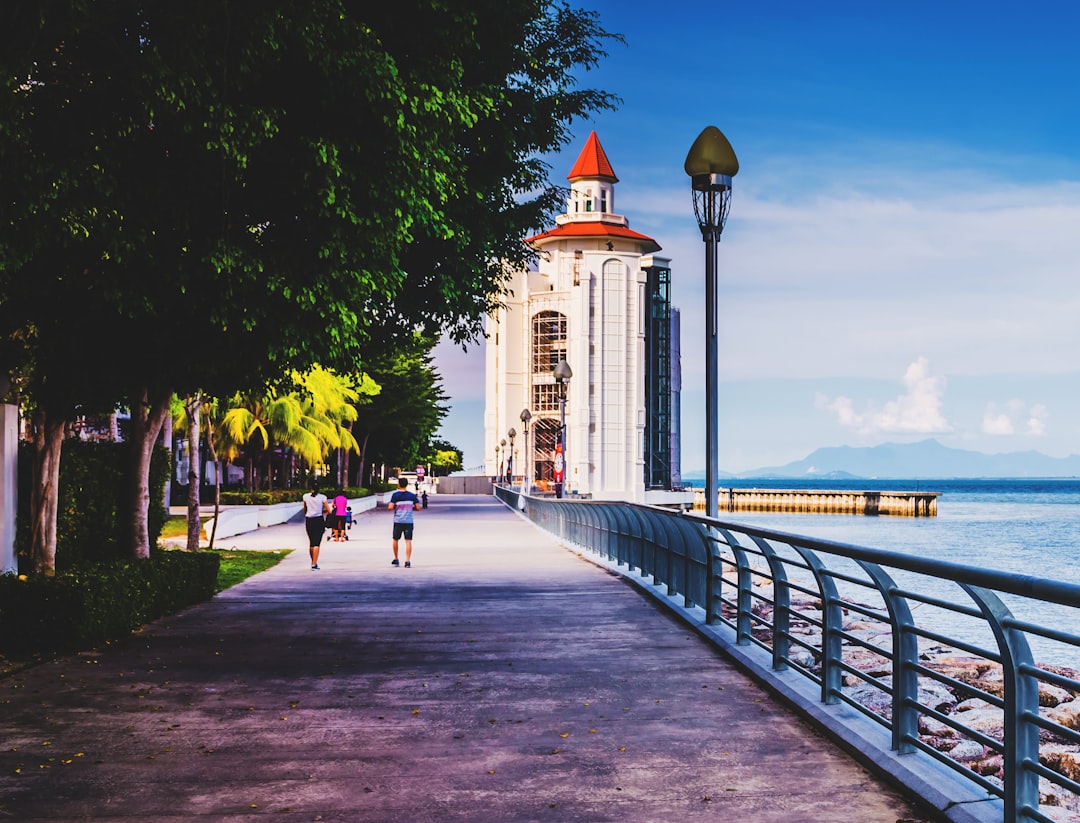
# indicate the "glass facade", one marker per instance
pixel 658 378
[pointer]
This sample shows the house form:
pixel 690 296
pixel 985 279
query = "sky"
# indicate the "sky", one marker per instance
pixel 902 253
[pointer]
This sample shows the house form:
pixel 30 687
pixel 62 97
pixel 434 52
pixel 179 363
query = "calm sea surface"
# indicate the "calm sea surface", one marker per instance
pixel 1023 526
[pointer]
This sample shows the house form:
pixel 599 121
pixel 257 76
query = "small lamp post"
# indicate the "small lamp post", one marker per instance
pixel 526 416
pixel 510 458
pixel 562 374
pixel 502 453
pixel 711 163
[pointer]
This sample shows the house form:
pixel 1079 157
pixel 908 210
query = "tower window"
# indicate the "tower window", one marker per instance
pixel 548 341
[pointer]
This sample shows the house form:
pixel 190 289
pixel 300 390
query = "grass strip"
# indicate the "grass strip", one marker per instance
pixel 238 565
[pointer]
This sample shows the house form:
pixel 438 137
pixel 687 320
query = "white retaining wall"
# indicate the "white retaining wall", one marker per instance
pixel 239 519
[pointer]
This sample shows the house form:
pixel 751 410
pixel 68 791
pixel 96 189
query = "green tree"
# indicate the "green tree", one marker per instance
pixel 254 186
pixel 443 457
pixel 395 428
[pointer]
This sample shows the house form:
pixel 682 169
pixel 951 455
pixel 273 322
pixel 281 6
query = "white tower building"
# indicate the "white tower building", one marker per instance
pixel 600 300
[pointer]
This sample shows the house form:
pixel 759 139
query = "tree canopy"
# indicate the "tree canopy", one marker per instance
pixel 206 194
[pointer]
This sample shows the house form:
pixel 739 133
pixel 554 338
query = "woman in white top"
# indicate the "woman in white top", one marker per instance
pixel 316 507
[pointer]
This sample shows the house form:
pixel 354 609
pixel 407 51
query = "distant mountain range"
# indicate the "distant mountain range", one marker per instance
pixel 927 458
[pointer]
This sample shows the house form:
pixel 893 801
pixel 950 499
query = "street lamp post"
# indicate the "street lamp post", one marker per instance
pixel 711 163
pixel 562 374
pixel 510 458
pixel 526 416
pixel 502 454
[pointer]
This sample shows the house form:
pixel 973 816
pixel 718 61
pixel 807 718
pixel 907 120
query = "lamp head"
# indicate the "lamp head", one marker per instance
pixel 526 416
pixel 503 442
pixel 562 372
pixel 711 162
pixel 511 434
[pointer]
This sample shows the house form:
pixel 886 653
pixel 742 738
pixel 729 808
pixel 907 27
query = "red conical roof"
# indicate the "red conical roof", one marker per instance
pixel 592 163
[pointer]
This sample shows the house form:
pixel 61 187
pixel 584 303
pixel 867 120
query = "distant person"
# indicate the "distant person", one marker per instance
pixel 348 521
pixel 403 503
pixel 316 507
pixel 341 505
pixel 423 499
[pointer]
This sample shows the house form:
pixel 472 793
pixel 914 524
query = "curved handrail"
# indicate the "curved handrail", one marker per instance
pixel 808 602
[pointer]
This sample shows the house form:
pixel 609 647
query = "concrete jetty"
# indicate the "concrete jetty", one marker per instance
pixel 824 501
pixel 502 678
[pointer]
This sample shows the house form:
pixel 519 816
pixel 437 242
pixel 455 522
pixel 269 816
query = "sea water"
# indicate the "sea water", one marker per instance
pixel 1014 525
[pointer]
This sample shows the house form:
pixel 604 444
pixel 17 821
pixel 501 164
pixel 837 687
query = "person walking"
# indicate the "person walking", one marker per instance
pixel 403 503
pixel 340 505
pixel 316 507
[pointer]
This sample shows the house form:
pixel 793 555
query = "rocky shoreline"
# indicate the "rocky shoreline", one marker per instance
pixel 1058 704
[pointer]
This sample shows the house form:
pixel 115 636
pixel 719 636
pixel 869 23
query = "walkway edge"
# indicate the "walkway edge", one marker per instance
pixel 938 787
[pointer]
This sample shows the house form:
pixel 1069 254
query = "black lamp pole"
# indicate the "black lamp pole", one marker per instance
pixel 562 374
pixel 510 458
pixel 525 416
pixel 711 163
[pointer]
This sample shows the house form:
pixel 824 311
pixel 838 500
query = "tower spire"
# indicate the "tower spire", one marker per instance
pixel 592 163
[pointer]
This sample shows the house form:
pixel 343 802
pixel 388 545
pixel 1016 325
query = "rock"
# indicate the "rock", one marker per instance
pixel 1061 759
pixel 1067 714
pixel 967 750
pixel 1051 695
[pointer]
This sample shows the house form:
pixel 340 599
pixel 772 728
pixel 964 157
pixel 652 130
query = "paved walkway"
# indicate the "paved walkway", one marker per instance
pixel 503 678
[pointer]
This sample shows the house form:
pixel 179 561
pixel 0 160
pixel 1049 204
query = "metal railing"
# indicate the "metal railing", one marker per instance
pixel 937 655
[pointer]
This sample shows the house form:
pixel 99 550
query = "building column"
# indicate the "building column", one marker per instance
pixel 9 484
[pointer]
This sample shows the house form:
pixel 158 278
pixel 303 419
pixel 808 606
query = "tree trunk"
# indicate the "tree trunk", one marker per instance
pixel 193 407
pixel 363 459
pixel 217 493
pixel 346 457
pixel 211 436
pixel 44 494
pixel 147 417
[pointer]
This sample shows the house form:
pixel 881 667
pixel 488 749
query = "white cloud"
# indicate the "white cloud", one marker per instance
pixel 995 422
pixel 1036 424
pixel 917 411
pixel 1017 414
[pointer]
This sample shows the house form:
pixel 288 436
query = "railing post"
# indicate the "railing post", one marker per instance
pixel 832 623
pixel 744 579
pixel 905 651
pixel 714 571
pixel 1021 697
pixel 781 645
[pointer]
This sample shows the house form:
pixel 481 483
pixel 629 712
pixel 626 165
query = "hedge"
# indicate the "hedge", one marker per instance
pixel 83 607
pixel 93 495
pixel 283 496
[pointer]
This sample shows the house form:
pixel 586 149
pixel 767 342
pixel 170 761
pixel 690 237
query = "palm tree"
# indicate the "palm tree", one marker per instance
pixel 254 422
pixel 331 399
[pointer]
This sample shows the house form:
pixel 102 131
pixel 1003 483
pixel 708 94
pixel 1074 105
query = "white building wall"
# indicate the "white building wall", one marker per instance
pixel 9 455
pixel 596 281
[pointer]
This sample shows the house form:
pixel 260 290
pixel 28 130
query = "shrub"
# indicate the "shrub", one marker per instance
pixel 282 496
pixel 88 605
pixel 92 492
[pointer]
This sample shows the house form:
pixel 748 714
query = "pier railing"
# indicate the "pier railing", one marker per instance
pixel 933 663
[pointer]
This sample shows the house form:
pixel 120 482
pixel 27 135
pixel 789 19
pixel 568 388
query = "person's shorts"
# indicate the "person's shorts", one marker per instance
pixel 315 527
pixel 340 519
pixel 403 530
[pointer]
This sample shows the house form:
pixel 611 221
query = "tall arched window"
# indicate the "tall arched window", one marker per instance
pixel 548 341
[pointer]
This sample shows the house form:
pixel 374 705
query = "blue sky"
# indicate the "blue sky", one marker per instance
pixel 902 254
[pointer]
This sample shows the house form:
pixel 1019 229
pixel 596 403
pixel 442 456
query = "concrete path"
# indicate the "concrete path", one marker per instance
pixel 502 678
